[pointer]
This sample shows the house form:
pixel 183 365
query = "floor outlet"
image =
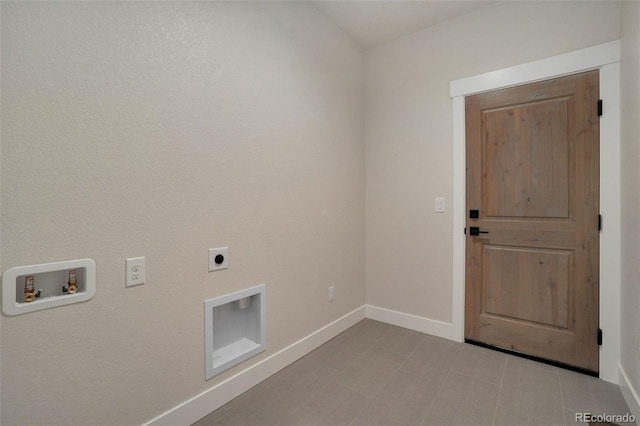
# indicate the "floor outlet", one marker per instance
pixel 135 271
pixel 332 293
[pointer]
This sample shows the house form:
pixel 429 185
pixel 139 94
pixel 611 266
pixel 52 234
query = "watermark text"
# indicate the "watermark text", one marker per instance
pixel 604 418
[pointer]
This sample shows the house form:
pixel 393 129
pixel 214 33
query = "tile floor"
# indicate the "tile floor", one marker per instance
pixel 379 374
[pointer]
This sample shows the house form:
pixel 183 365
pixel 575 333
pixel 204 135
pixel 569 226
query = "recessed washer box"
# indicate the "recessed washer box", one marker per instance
pixel 50 278
pixel 235 328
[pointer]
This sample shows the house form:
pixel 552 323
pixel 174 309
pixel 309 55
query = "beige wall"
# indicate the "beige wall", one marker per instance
pixel 160 130
pixel 409 135
pixel 163 129
pixel 630 141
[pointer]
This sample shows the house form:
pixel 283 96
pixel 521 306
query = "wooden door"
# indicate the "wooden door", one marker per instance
pixel 533 177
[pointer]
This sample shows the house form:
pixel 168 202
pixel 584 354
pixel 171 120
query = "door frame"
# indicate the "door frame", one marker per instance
pixel 606 58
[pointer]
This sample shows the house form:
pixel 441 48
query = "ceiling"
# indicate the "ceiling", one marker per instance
pixel 372 22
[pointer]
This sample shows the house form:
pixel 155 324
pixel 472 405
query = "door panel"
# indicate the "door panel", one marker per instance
pixel 532 172
pixel 527 284
pixel 526 163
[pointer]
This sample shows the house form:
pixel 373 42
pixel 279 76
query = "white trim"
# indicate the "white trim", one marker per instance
pixel 605 57
pixel 610 237
pixel 199 406
pixel 459 201
pixel 555 66
pixel 630 394
pixel 412 322
pixel 459 218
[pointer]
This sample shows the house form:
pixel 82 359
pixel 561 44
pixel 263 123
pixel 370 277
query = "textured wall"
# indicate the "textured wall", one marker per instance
pixel 409 134
pixel 630 141
pixel 162 129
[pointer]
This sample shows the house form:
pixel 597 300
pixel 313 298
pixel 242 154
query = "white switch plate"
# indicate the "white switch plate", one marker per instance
pixel 332 293
pixel 135 268
pixel 439 205
pixel 213 253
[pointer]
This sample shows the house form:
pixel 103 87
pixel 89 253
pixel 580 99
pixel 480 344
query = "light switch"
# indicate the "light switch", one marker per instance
pixel 439 205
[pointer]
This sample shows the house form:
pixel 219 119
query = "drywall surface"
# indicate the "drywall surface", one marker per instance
pixel 630 147
pixel 161 129
pixel 409 135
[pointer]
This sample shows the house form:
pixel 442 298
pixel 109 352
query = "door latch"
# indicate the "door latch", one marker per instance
pixel 474 230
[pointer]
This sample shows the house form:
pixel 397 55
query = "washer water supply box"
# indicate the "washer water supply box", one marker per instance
pixel 48 285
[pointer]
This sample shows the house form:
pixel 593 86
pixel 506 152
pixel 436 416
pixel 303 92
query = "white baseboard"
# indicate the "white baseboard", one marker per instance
pixel 412 322
pixel 199 406
pixel 631 395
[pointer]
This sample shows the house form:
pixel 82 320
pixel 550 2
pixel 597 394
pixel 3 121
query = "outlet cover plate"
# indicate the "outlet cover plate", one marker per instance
pixel 135 269
pixel 213 253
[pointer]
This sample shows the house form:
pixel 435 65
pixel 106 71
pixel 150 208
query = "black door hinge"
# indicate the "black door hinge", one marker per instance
pixel 465 231
pixel 599 222
pixel 599 337
pixel 599 107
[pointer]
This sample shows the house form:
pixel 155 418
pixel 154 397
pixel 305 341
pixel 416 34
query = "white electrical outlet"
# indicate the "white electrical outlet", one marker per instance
pixel 332 293
pixel 218 259
pixel 135 271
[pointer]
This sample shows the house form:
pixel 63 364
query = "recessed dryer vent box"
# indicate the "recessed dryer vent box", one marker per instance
pixel 50 283
pixel 235 328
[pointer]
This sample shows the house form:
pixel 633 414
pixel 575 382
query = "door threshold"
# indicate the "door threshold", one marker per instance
pixel 533 358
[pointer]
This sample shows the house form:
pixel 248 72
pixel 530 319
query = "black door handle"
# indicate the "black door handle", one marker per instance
pixel 474 230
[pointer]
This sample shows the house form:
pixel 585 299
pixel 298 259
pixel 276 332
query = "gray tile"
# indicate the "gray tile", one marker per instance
pixel 364 335
pixel 401 340
pixel 370 371
pixel 263 393
pixel 339 354
pixel 412 388
pixel 508 417
pixel 463 400
pixel 213 419
pixel 532 391
pixel 534 364
pixel 216 419
pixel 572 417
pixel 379 374
pixel 333 404
pixel 585 394
pixel 404 400
pixel 391 412
pixel 481 363
pixel 265 404
pixel 273 413
pixel 433 359
pixel 379 358
pixel 310 373
pixel 366 327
